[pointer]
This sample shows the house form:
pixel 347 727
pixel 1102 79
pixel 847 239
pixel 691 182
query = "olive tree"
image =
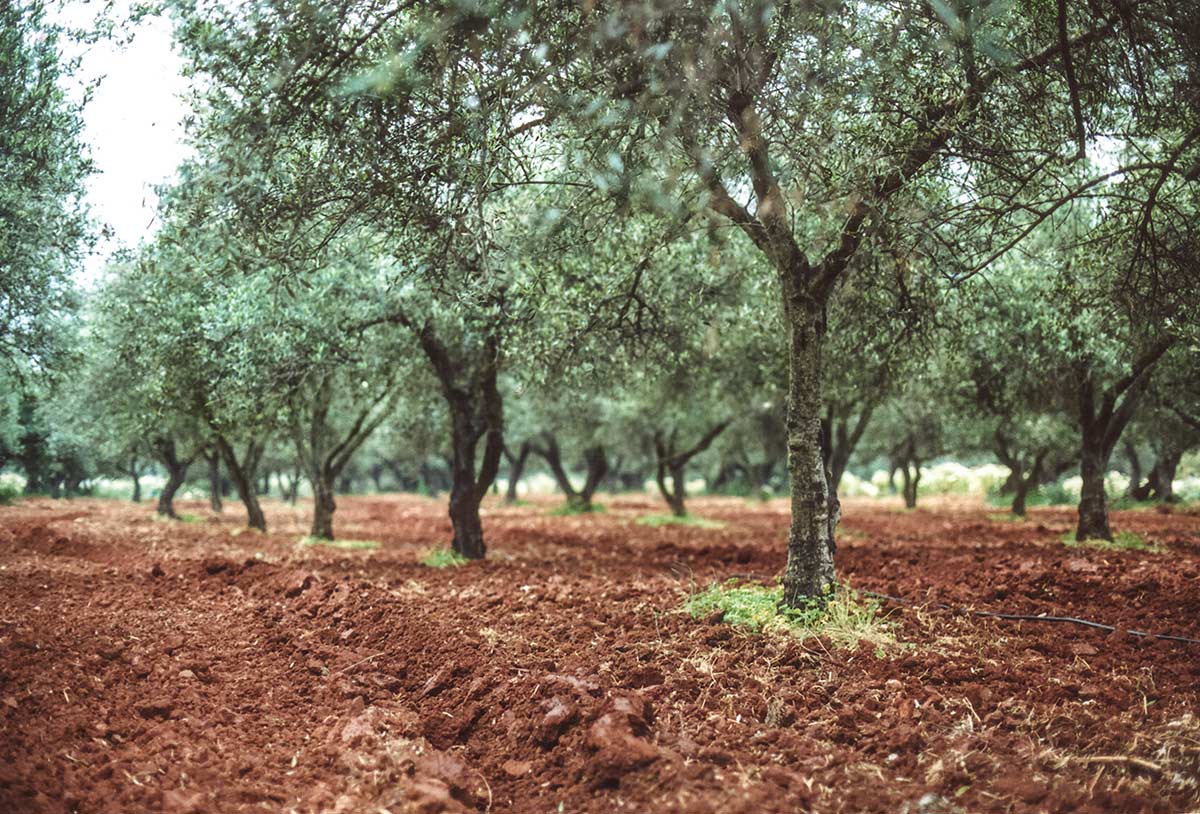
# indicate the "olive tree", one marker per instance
pixel 815 133
pixel 351 116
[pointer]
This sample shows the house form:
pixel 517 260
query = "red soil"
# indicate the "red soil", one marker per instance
pixel 193 667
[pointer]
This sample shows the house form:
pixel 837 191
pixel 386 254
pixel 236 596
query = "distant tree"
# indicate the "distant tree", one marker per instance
pixel 113 400
pixel 1169 424
pixel 911 430
pixel 1004 344
pixel 884 320
pixel 174 370
pixel 1095 346
pixel 321 127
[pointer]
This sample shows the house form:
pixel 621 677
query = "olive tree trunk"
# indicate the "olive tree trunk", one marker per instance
pixel 476 409
pixel 911 473
pixel 1136 490
pixel 291 484
pixel 1162 476
pixel 135 474
pixel 177 468
pixel 1027 483
pixel 676 494
pixel 516 470
pixel 839 437
pixel 1093 502
pixel 213 458
pixel 469 485
pixel 242 473
pixel 1103 416
pixel 595 462
pixel 324 448
pixel 324 506
pixel 809 573
pixel 670 461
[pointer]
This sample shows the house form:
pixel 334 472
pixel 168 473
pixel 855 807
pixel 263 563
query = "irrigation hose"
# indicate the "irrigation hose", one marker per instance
pixel 1012 617
pixel 1019 617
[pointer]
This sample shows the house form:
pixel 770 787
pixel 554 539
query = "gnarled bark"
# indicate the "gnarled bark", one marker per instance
pixel 672 462
pixel 476 413
pixel 177 467
pixel 1103 416
pixel 242 472
pixel 1093 502
pixel 595 463
pixel 809 574
pixel 841 430
pixel 516 467
pixel 323 451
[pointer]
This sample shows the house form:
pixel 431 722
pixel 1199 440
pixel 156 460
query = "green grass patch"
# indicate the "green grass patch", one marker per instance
pixel 443 558
pixel 1124 503
pixel 179 518
pixel 1049 494
pixel 846 619
pixel 572 508
pixel 347 545
pixel 1121 541
pixel 659 520
pixel 1006 517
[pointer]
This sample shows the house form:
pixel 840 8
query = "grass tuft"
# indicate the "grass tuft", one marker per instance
pixel 659 520
pixel 443 558
pixel 846 619
pixel 1121 541
pixel 182 517
pixel 1050 494
pixel 349 545
pixel 1002 517
pixel 572 508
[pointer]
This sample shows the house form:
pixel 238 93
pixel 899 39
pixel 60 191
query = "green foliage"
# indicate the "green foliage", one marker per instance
pixel 1124 540
pixel 444 558
pixel 348 545
pixel 44 227
pixel 1052 494
pixel 9 491
pixel 845 619
pixel 659 520
pixel 1048 494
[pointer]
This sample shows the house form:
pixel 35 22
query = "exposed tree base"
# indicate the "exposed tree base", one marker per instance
pixel 468 535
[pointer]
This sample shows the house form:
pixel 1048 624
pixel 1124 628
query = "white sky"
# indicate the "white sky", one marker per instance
pixel 132 127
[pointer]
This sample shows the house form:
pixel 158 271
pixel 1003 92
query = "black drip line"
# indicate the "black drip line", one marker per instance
pixel 1018 617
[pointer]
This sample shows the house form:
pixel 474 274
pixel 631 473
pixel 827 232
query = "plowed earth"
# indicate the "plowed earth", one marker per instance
pixel 193 667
